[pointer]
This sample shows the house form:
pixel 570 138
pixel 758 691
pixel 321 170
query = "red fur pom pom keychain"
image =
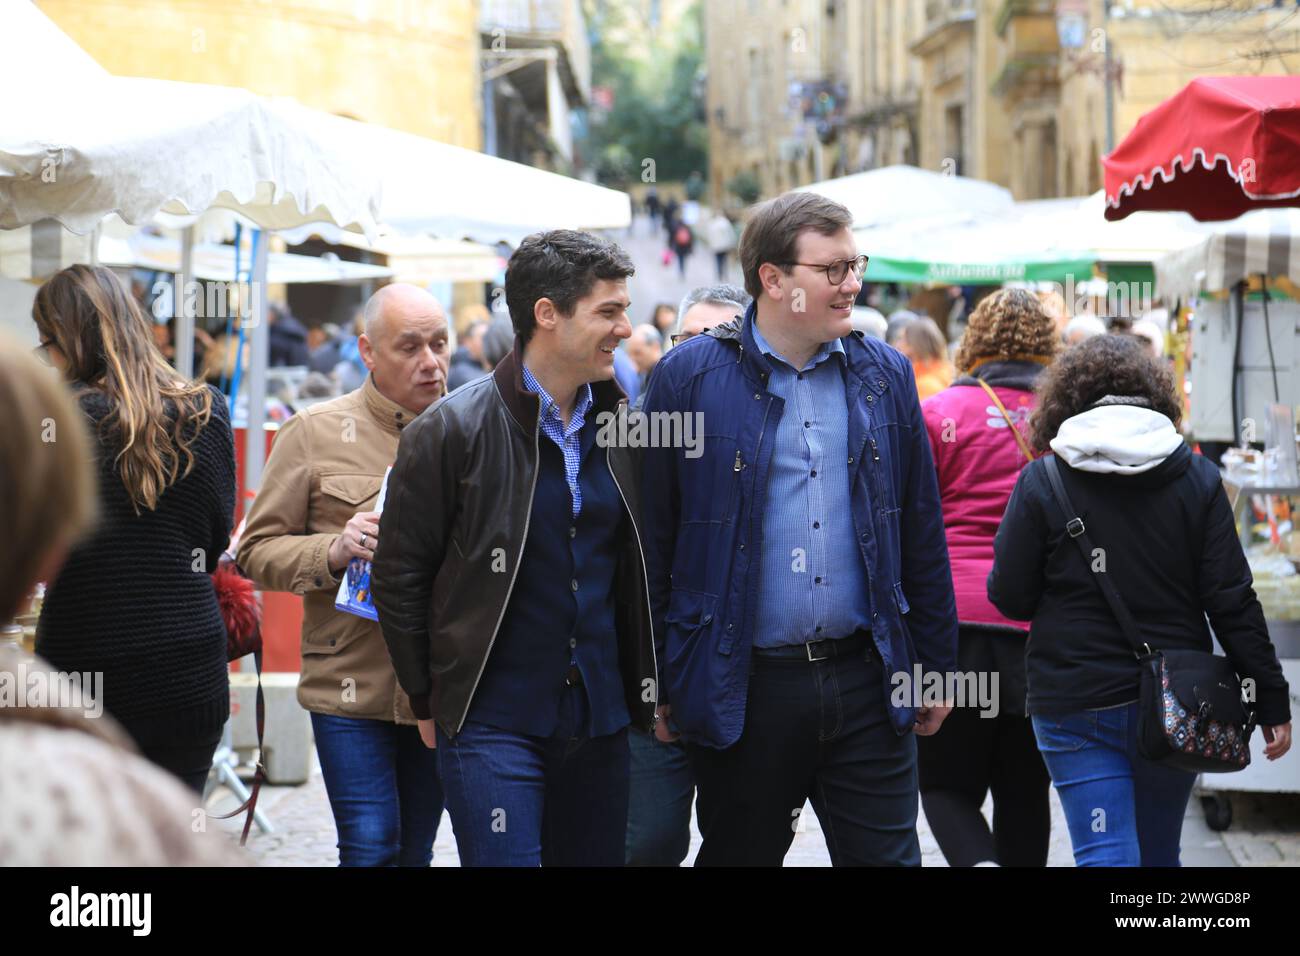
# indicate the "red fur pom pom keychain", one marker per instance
pixel 239 610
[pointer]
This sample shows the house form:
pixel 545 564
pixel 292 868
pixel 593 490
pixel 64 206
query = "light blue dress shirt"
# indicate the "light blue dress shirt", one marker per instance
pixel 812 583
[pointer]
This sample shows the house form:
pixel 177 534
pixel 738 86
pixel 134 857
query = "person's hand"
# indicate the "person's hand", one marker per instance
pixel 1277 740
pixel 429 733
pixel 358 540
pixel 928 719
pixel 662 733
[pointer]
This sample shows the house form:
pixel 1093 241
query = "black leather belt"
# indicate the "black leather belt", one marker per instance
pixel 855 643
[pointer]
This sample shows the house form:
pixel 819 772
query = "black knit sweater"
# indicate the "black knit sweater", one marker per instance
pixel 135 601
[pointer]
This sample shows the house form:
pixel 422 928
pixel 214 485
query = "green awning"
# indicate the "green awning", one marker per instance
pixel 1020 269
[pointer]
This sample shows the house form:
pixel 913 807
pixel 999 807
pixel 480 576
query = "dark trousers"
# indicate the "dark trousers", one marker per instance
pixel 383 787
pixel 813 730
pixel 517 800
pixel 972 754
pixel 659 806
pixel 189 761
pixel 969 756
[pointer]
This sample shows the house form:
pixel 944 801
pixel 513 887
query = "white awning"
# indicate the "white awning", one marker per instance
pixel 894 194
pixel 1262 242
pixel 77 143
pixel 217 262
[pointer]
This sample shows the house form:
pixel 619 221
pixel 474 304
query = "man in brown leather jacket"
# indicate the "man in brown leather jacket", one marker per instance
pixel 510 579
pixel 314 513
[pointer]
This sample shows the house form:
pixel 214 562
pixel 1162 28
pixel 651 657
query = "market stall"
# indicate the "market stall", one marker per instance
pixel 1241 280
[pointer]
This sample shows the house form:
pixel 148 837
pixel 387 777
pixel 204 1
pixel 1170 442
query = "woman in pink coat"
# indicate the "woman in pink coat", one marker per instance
pixel 988 743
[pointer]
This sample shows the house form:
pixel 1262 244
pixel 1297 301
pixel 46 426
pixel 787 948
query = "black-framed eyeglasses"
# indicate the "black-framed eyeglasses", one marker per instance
pixel 838 271
pixel 678 337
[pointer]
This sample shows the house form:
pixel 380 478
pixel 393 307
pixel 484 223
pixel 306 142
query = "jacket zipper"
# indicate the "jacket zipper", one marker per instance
pixel 758 453
pixel 519 560
pixel 875 474
pixel 645 577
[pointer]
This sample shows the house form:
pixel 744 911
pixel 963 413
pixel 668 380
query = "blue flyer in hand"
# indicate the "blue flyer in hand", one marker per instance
pixel 354 590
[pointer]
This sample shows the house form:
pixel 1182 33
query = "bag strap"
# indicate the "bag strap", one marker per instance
pixel 249 806
pixel 1020 439
pixel 1075 528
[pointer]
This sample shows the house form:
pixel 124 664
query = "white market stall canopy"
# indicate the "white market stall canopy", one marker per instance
pixel 84 143
pixel 420 260
pixel 77 143
pixel 442 190
pixel 900 194
pixel 1142 237
pixel 217 262
pixel 1262 242
pixel 1037 240
pixel 1016 244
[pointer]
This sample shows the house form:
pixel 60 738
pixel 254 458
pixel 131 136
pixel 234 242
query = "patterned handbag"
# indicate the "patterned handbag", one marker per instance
pixel 1190 712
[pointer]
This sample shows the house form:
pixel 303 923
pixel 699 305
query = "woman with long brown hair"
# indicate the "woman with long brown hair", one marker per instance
pixel 135 601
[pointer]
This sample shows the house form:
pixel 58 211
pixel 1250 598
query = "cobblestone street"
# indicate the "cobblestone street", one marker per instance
pixel 1265 832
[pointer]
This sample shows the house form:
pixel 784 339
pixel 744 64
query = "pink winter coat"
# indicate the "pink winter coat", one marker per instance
pixel 978 462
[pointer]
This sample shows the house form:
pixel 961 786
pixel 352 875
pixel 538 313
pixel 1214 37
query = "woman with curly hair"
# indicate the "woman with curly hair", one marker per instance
pixel 979 451
pixel 135 601
pixel 1163 532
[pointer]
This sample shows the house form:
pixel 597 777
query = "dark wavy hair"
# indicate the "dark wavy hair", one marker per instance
pixel 562 265
pixel 1117 365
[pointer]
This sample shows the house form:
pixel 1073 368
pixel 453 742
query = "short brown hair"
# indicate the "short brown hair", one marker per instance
pixel 773 232
pixel 1008 324
pixel 1119 365
pixel 47 478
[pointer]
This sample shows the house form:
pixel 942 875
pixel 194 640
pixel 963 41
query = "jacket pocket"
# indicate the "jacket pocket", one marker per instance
pixel 689 614
pixel 340 497
pixel 900 599
pixel 354 490
pixel 713 481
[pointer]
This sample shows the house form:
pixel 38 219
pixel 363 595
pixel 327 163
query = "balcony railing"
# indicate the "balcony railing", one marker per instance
pixel 558 21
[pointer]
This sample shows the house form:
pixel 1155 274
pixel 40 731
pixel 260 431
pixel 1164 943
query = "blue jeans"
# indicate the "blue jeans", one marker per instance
pixel 383 788
pixel 659 807
pixel 517 800
pixel 1122 809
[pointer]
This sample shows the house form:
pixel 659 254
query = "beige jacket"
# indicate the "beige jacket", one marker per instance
pixel 327 463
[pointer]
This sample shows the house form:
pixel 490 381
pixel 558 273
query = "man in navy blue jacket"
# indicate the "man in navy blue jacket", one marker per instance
pixel 782 556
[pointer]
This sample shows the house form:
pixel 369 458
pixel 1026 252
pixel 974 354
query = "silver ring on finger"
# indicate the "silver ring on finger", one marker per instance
pixel 363 539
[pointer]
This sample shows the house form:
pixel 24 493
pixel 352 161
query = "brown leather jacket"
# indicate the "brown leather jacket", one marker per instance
pixel 452 537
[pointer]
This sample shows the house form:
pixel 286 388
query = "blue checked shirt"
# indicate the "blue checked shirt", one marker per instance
pixel 566 439
pixel 813 583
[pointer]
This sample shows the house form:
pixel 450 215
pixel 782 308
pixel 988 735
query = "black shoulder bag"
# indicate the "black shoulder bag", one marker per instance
pixel 1190 712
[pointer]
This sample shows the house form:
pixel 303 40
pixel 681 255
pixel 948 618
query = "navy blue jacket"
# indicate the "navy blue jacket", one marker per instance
pixel 704 535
